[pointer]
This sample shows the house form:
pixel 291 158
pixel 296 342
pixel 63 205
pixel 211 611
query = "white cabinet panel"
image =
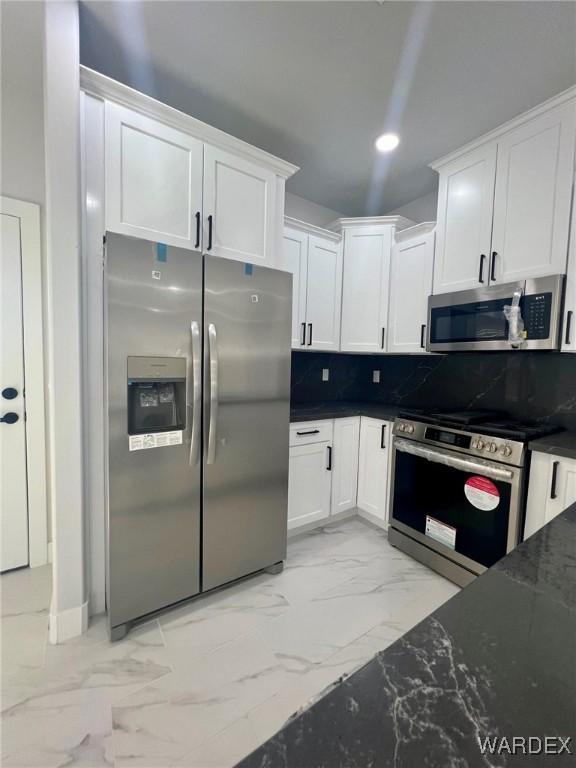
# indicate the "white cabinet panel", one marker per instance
pixel 345 464
pixel 463 234
pixel 296 262
pixel 569 324
pixel 373 468
pixel 534 176
pixel 309 484
pixel 239 196
pixel 153 179
pixel 366 273
pixel 411 284
pixel 552 488
pixel 323 293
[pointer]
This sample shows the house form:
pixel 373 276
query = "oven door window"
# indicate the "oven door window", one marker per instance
pixel 465 511
pixel 479 321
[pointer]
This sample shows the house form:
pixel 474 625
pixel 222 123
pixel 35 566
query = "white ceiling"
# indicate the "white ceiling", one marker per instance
pixel 316 82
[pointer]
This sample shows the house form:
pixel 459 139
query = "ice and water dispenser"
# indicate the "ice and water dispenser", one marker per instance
pixel 156 399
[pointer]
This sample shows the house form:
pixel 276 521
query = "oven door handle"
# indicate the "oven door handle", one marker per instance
pixel 443 457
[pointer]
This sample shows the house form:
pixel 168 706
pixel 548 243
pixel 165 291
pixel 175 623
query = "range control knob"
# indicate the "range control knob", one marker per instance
pixel 506 450
pixel 410 428
pixel 480 444
pixel 401 427
pixel 492 447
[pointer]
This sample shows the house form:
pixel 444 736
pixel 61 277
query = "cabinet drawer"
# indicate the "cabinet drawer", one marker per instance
pixel 310 432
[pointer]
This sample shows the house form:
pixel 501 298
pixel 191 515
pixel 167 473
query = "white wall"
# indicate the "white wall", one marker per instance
pixel 312 213
pixel 419 210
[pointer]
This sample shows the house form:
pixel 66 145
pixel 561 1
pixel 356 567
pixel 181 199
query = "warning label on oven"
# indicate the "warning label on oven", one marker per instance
pixel 154 440
pixel 445 534
pixel 482 493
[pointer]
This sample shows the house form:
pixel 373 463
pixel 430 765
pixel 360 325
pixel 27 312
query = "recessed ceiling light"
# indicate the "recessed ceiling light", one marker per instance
pixel 387 142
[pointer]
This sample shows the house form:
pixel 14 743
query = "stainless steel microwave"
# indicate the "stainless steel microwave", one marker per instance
pixel 479 319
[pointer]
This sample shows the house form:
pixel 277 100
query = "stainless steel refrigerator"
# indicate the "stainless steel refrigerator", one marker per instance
pixel 198 370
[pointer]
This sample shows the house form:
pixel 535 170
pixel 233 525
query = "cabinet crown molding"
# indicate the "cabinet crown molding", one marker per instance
pixel 311 229
pixel 104 87
pixel 416 231
pixel 556 101
pixel 400 222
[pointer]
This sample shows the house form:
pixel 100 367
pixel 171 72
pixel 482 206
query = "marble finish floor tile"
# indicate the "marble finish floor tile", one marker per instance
pixel 204 685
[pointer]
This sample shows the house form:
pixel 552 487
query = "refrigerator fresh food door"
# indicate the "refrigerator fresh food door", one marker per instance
pixel 247 324
pixel 154 340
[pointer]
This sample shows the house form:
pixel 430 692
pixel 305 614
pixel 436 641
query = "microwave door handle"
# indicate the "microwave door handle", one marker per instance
pixel 195 343
pixel 213 364
pixel 442 457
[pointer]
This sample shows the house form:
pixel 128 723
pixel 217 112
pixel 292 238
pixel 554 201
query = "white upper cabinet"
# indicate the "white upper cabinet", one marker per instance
pixel 569 324
pixel 534 175
pixel 504 201
pixel 366 282
pixel 153 179
pixel 314 257
pixel 296 262
pixel 411 284
pixel 239 208
pixel 464 226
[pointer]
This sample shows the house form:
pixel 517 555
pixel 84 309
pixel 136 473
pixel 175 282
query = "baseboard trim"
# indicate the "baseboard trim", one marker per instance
pixel 336 518
pixel 67 624
pixel 377 521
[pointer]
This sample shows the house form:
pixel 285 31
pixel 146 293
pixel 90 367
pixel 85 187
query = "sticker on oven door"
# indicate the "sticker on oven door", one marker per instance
pixel 445 534
pixel 482 493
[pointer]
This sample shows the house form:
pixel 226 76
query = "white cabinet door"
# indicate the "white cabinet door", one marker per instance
pixel 464 226
pixel 323 294
pixel 569 324
pixel 410 286
pixel 534 176
pixel 366 274
pixel 552 488
pixel 296 262
pixel 345 464
pixel 239 208
pixel 153 179
pixel 373 468
pixel 309 484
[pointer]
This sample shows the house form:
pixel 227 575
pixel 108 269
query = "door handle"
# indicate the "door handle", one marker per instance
pixel 481 272
pixel 329 467
pixel 422 334
pixel 383 338
pixel 569 316
pixel 198 220
pixel 309 334
pixel 493 267
pixel 9 393
pixel 9 418
pixel 303 340
pixel 553 491
pixel 213 364
pixel 195 343
pixel 210 226
pixel 382 436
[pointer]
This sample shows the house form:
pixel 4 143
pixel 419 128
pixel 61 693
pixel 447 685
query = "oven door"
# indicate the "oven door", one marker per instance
pixel 466 509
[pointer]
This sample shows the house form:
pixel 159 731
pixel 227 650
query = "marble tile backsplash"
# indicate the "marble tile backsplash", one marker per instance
pixel 533 386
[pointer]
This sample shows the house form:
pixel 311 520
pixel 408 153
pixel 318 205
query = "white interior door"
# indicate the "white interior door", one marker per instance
pixel 13 483
pixel 296 262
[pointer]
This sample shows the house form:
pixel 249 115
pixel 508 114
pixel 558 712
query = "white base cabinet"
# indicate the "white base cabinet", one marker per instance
pixel 345 464
pixel 310 473
pixel 374 469
pixel 552 489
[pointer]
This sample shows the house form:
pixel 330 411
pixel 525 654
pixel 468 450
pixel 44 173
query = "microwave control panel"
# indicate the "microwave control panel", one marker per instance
pixel 536 312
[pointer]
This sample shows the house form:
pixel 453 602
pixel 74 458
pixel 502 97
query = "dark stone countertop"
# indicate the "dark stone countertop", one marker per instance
pixel 498 659
pixel 342 409
pixel 560 444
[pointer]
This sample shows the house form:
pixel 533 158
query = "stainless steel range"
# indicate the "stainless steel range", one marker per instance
pixel 458 489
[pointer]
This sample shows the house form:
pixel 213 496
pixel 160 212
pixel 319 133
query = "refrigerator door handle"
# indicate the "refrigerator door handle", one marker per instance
pixel 213 357
pixel 195 343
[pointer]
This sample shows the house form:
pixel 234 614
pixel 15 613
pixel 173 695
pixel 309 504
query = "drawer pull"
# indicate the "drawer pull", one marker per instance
pixel 309 432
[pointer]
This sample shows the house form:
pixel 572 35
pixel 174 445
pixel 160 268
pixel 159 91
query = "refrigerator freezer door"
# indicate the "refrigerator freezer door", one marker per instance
pixel 154 322
pixel 247 403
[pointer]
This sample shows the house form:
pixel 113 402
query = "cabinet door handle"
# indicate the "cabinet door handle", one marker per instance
pixel 569 316
pixel 382 436
pixel 210 224
pixel 303 339
pixel 493 267
pixel 309 432
pixel 309 334
pixel 553 493
pixel 382 341
pixel 422 335
pixel 329 467
pixel 198 220
pixel 481 272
